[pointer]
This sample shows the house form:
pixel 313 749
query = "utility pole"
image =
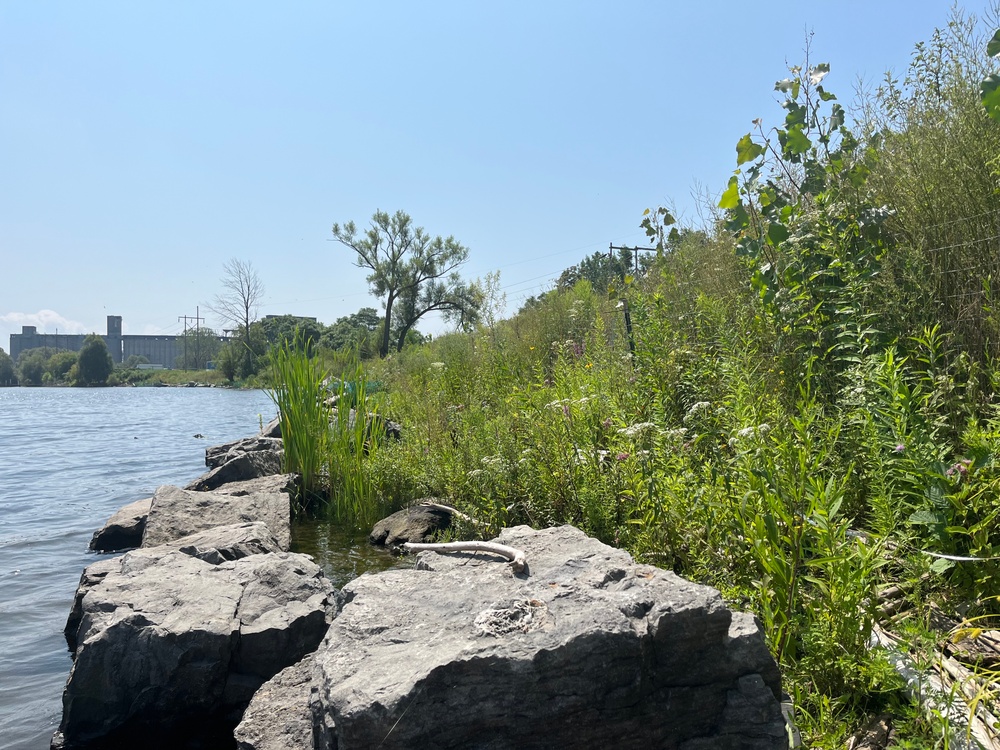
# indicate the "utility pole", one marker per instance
pixel 196 318
pixel 624 301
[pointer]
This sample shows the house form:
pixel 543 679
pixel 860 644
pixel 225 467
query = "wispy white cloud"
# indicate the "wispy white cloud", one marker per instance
pixel 46 321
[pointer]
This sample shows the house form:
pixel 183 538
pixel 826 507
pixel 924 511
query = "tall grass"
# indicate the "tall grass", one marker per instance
pixel 299 394
pixel 354 440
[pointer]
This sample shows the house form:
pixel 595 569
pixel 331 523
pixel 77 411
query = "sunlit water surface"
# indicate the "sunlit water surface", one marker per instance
pixel 69 458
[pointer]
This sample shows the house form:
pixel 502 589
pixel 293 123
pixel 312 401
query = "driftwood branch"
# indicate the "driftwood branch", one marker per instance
pixel 517 559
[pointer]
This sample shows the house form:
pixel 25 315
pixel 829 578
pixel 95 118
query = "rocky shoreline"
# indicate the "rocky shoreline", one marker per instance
pixel 210 633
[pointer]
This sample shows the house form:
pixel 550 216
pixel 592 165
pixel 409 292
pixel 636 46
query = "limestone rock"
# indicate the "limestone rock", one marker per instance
pixel 217 455
pixel 417 523
pixel 124 529
pixel 168 643
pixel 214 545
pixel 273 428
pixel 273 483
pixel 176 513
pixel 585 648
pixel 279 717
pixel 240 467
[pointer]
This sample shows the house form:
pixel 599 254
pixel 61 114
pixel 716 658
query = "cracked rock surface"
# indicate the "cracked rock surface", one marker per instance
pixel 183 634
pixel 586 646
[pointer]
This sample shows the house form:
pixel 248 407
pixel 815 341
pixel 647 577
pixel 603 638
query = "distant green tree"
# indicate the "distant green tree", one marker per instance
pixel 8 376
pixel 31 367
pixel 410 269
pixel 282 329
pixel 232 359
pixel 356 331
pixel 197 347
pixel 95 363
pixel 227 361
pixel 58 365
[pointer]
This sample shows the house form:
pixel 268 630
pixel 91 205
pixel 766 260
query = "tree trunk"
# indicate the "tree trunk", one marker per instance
pixel 383 348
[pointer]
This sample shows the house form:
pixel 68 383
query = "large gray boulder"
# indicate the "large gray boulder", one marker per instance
pixel 168 643
pixel 585 648
pixel 124 529
pixel 175 513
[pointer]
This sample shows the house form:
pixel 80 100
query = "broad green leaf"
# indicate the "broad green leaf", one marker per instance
pixel 777 233
pixel 731 198
pixel 747 150
pixel 926 518
pixel 796 114
pixel 836 117
pixel 826 96
pixel 989 94
pixel 941 565
pixel 993 48
pixel 818 73
pixel 738 219
pixel 788 86
pixel 796 142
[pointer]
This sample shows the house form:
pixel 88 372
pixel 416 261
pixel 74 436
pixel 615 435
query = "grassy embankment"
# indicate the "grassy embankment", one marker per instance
pixel 810 413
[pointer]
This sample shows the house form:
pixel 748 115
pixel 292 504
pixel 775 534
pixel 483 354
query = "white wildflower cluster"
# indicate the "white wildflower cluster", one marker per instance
pixel 584 456
pixel 676 437
pixel 437 365
pixel 749 433
pixel 696 410
pixel 637 430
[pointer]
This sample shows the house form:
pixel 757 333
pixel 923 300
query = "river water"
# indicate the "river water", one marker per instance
pixel 69 458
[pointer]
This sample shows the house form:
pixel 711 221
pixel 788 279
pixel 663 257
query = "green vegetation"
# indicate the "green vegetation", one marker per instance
pixel 8 376
pixel 414 273
pixel 94 364
pixel 803 413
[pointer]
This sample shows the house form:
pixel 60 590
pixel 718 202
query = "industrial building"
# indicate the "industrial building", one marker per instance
pixel 159 350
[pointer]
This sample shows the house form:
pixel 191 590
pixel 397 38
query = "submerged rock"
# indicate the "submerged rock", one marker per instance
pixel 585 648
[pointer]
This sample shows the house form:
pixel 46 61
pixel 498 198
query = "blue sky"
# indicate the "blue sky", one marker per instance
pixel 144 144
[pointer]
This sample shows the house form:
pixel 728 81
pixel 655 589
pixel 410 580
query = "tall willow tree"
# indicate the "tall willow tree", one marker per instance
pixel 414 273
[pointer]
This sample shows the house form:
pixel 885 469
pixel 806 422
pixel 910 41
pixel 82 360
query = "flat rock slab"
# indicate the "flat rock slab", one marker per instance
pixel 167 641
pixel 287 483
pixel 124 529
pixel 176 513
pixel 586 648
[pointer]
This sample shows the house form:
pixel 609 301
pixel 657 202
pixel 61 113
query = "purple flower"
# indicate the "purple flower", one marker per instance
pixel 899 448
pixel 622 456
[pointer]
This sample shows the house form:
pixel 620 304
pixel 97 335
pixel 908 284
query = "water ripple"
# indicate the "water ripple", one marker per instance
pixel 69 458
